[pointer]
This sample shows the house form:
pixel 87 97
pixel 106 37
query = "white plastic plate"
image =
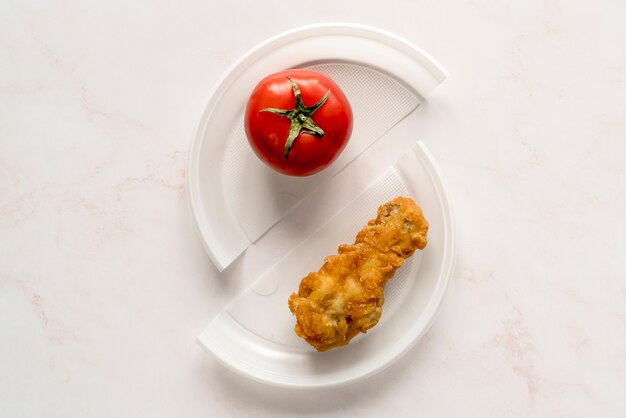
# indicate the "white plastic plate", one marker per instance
pixel 235 198
pixel 254 336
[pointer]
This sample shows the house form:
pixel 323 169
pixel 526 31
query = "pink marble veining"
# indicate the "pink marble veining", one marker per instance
pixel 104 284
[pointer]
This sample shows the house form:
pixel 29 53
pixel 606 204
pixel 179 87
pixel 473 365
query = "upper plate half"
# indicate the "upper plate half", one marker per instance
pixel 234 197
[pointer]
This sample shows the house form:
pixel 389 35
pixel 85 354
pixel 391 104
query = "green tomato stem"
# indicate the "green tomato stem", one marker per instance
pixel 300 117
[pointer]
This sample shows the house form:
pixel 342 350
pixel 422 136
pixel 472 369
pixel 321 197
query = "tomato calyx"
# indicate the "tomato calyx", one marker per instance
pixel 300 117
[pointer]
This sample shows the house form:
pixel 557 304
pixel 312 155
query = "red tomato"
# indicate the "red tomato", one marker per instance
pixel 298 121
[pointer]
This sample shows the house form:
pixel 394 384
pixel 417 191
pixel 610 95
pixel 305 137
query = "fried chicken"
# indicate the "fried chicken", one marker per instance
pixel 345 297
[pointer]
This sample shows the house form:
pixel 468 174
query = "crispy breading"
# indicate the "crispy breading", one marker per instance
pixel 345 297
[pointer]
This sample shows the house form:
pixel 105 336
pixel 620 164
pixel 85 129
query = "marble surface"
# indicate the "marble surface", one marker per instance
pixel 104 284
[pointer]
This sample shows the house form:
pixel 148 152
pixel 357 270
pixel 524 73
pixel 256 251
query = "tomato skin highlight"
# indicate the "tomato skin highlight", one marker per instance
pixel 267 132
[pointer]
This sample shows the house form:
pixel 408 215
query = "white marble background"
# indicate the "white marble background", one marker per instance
pixel 104 285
